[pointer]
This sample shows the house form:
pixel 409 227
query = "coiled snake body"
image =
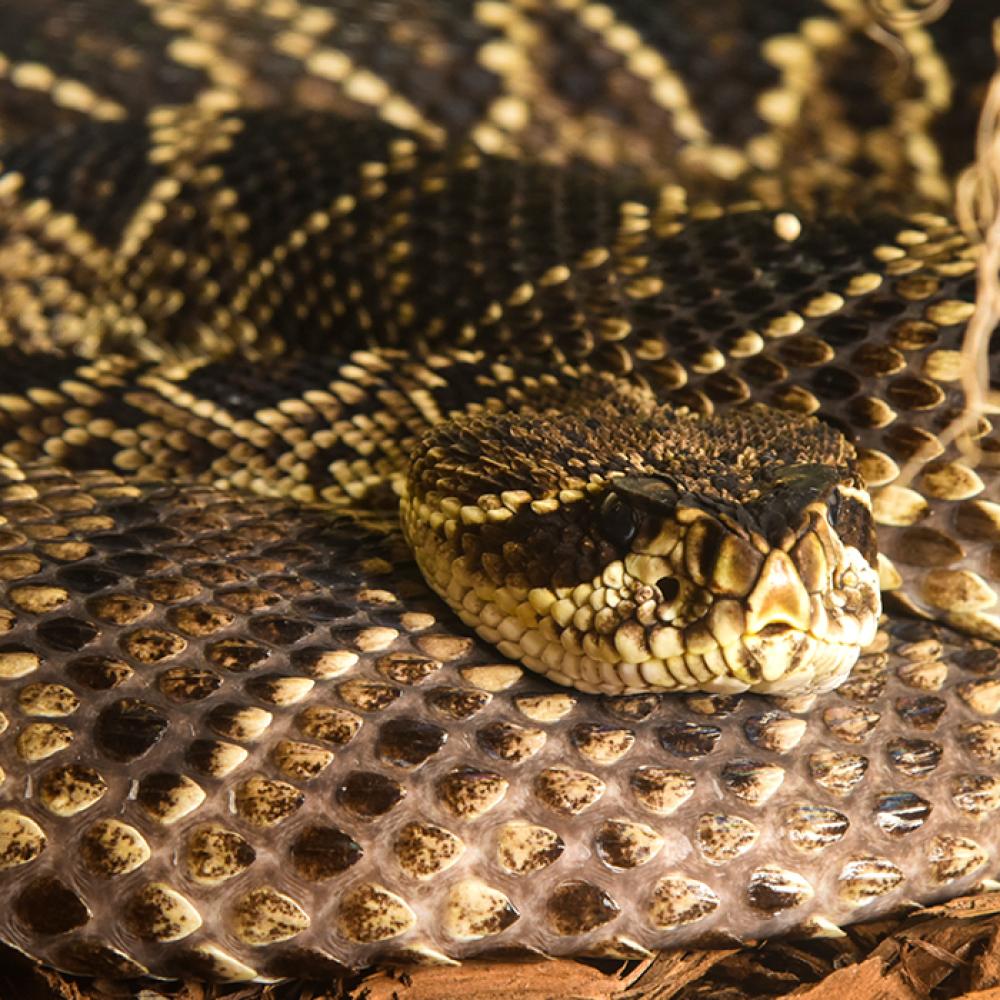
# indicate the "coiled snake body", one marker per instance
pixel 240 736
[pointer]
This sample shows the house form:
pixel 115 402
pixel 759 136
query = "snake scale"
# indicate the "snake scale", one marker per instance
pixel 265 268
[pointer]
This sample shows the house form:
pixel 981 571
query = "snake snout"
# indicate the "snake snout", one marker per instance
pixel 779 597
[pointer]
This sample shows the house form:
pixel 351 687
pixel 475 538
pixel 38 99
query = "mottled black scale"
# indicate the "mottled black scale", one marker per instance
pixel 102 181
pixel 899 814
pixel 85 40
pixel 732 28
pixel 966 45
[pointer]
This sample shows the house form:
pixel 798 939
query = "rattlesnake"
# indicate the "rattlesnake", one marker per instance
pixel 240 737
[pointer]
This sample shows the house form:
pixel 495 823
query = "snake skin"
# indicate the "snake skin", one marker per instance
pixel 240 738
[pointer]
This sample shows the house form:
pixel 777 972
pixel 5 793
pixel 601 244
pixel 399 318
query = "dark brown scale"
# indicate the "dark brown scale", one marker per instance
pixel 321 852
pixel 805 351
pixel 409 743
pixel 128 729
pixel 921 712
pixel 48 906
pixel 279 630
pixel 876 361
pixel 88 956
pixel 631 708
pixel 772 890
pixel 407 668
pixel 187 684
pixel 914 394
pixel 984 661
pixel 905 442
pixel 87 579
pixel 927 547
pixel 67 634
pixel 237 655
pixel 138 563
pixel 835 383
pixel 369 794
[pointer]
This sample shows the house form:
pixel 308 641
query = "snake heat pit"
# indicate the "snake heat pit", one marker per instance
pixel 475 479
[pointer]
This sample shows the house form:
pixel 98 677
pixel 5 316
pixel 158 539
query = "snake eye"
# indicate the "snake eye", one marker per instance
pixel 618 521
pixel 669 587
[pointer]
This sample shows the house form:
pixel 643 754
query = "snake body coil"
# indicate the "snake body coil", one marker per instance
pixel 240 736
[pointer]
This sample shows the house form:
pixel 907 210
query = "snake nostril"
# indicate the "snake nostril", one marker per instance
pixel 669 587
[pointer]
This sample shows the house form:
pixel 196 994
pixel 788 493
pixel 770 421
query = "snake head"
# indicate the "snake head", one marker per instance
pixel 628 548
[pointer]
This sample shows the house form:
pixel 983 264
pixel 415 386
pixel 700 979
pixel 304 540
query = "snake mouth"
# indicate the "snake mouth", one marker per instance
pixel 780 660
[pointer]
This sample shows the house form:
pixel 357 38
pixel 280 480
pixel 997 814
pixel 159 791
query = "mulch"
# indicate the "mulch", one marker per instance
pixel 951 950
